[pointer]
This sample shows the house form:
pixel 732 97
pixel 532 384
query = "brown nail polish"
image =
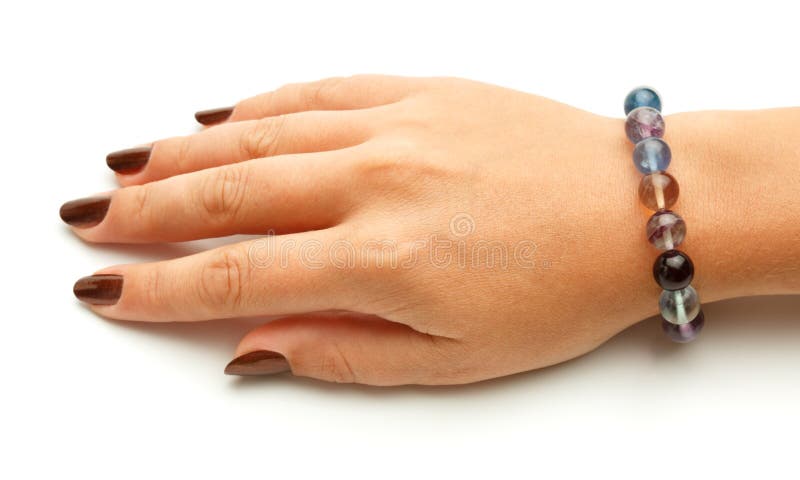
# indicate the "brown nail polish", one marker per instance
pixel 99 289
pixel 260 362
pixel 215 115
pixel 128 161
pixel 85 212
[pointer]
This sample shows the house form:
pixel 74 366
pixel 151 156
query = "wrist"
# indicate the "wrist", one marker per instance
pixel 739 179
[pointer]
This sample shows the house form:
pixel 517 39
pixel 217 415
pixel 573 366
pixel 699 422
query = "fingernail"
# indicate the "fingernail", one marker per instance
pixel 85 212
pixel 215 115
pixel 260 362
pixel 99 289
pixel 128 161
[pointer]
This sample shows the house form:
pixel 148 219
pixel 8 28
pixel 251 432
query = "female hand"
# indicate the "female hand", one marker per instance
pixel 428 231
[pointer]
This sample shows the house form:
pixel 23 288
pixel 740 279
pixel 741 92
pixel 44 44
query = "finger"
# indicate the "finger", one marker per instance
pixel 275 275
pixel 347 349
pixel 350 93
pixel 236 142
pixel 284 194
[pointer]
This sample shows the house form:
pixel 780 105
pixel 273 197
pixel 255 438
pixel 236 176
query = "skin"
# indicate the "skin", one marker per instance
pixel 410 160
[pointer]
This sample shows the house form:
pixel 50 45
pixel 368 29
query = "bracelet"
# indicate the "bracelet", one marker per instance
pixel 673 270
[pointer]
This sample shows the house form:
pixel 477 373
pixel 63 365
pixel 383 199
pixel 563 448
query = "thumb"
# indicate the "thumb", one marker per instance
pixel 344 348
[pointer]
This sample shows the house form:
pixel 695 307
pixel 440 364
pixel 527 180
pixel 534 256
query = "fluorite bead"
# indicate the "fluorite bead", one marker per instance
pixel 658 191
pixel 666 230
pixel 644 122
pixel 673 270
pixel 642 97
pixel 686 332
pixel 679 306
pixel 651 155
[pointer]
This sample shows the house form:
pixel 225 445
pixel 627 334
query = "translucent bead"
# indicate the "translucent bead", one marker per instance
pixel 686 332
pixel 673 270
pixel 658 191
pixel 651 155
pixel 679 306
pixel 666 230
pixel 644 122
pixel 642 97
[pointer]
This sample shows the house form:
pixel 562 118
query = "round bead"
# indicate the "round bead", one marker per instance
pixel 673 270
pixel 644 122
pixel 651 155
pixel 686 332
pixel 642 97
pixel 679 306
pixel 658 191
pixel 666 230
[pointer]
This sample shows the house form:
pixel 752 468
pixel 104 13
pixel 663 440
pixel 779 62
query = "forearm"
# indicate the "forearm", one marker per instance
pixel 739 174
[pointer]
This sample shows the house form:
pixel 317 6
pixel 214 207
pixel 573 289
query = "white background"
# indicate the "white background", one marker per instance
pixel 84 397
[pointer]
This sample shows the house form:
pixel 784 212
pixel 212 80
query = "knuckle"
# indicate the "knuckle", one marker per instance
pixel 321 92
pixel 400 165
pixel 222 280
pixel 142 207
pixel 223 192
pixel 151 287
pixel 263 138
pixel 183 152
pixel 330 365
pixel 378 167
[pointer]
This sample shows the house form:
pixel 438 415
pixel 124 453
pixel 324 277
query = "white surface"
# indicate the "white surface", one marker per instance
pixel 89 398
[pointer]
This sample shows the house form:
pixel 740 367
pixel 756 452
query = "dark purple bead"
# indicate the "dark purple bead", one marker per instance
pixel 686 332
pixel 673 270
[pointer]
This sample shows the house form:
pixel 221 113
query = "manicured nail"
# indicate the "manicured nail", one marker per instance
pixel 215 115
pixel 85 212
pixel 99 289
pixel 128 161
pixel 260 362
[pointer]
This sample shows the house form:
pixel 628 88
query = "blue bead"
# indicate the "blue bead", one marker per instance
pixel 651 155
pixel 642 97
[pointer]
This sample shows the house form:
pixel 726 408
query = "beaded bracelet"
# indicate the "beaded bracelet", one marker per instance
pixel 673 270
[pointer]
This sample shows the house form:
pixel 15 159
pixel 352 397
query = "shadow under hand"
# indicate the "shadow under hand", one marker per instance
pixel 755 321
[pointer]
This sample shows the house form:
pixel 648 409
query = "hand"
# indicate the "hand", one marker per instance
pixel 428 231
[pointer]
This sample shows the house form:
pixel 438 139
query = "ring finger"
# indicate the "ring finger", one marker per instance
pixel 271 276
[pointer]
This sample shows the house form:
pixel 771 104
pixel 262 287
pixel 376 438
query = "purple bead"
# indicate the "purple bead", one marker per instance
pixel 666 230
pixel 686 332
pixel 644 122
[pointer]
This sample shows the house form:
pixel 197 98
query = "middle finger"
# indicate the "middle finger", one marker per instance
pixel 284 194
